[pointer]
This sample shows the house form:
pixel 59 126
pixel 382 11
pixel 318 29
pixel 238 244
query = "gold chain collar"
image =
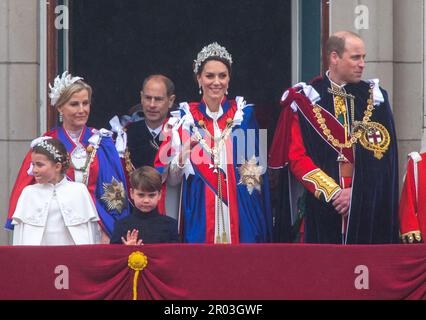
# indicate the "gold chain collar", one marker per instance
pixel 215 153
pixel 357 126
pixel 218 142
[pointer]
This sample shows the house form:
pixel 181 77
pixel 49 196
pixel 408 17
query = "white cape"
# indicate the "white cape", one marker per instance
pixel 76 206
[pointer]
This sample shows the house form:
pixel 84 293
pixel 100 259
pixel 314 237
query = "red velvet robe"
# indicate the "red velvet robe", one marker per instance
pixel 412 208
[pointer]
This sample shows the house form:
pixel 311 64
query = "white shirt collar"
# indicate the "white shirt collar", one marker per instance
pixel 75 136
pixel 341 86
pixel 215 115
pixel 155 132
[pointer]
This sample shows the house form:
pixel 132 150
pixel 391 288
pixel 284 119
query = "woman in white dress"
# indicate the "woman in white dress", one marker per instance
pixel 54 211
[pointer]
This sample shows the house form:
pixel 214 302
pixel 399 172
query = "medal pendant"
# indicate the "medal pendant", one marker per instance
pixel 378 154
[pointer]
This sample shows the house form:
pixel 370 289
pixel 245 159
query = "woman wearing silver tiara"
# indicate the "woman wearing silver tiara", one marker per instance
pixel 214 146
pixel 54 211
pixel 94 160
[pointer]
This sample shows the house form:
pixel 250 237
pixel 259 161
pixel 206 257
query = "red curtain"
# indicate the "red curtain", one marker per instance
pixel 212 272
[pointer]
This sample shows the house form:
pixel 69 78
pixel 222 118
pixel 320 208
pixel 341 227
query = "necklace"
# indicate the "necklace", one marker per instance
pixel 82 157
pixel 79 155
pixel 215 152
pixel 357 126
pixel 92 152
pixel 218 142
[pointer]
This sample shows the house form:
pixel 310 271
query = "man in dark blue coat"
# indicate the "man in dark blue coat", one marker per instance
pixel 143 137
pixel 336 136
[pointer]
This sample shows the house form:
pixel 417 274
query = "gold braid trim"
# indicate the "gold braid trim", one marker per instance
pixel 324 184
pixel 128 162
pixel 412 237
pixel 91 157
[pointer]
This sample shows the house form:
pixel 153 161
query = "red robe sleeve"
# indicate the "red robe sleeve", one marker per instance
pixel 408 209
pixel 278 155
pixel 300 163
pixel 288 148
pixel 23 180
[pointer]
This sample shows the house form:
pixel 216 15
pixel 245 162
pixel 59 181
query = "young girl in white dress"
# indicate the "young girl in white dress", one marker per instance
pixel 54 211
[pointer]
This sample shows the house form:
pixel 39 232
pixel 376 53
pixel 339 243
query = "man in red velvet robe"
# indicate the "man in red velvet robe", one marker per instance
pixel 336 137
pixel 412 207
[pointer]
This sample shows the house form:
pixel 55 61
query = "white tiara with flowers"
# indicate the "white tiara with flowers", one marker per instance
pixel 42 142
pixel 59 85
pixel 212 50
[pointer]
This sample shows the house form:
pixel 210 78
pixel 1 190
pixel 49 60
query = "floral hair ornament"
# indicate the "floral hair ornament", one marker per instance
pixel 42 142
pixel 38 140
pixel 59 85
pixel 212 50
pixel 34 143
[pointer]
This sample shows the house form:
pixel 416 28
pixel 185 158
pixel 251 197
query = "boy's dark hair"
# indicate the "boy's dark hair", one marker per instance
pixel 146 178
pixel 57 154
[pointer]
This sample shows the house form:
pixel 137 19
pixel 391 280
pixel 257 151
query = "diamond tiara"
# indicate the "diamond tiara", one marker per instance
pixel 212 50
pixel 59 85
pixel 48 147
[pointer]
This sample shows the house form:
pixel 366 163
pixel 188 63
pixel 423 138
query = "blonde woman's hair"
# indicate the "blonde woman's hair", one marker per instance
pixel 72 89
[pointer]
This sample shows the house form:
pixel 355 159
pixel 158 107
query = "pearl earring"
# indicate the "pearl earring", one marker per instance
pixel 61 118
pixel 200 91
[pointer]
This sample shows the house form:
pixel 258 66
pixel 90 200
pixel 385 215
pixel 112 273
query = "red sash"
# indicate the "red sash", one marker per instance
pixel 336 128
pixel 205 171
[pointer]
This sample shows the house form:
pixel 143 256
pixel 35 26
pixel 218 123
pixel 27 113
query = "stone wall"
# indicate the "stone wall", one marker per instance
pixel 395 55
pixel 19 69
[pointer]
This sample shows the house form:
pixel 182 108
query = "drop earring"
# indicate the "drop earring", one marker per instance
pixel 226 92
pixel 200 91
pixel 61 118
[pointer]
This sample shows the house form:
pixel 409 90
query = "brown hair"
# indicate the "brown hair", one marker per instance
pixel 60 149
pixel 170 86
pixel 214 58
pixel 72 89
pixel 146 178
pixel 337 43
